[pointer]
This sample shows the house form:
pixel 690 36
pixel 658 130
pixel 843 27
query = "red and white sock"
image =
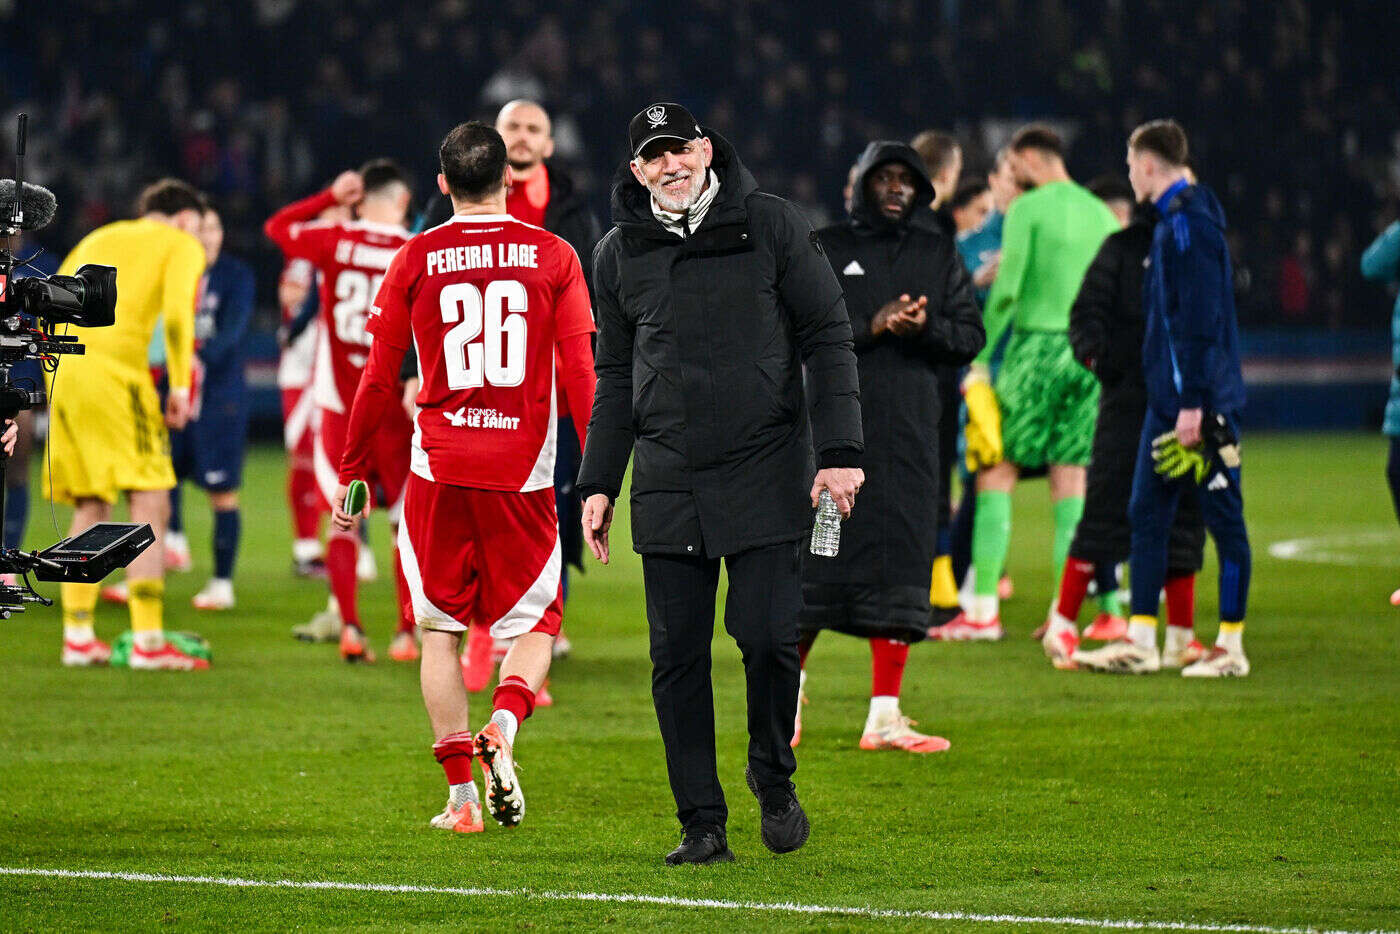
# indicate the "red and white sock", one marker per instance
pixel 887 661
pixel 1074 585
pixel 513 702
pixel 455 753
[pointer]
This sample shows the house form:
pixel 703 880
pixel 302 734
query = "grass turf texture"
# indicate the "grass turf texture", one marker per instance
pixel 1271 800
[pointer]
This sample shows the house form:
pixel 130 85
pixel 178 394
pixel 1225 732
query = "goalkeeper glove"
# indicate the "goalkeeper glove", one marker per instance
pixel 1173 460
pixel 983 430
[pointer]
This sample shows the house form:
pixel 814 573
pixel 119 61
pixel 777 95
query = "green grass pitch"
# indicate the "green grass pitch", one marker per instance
pixel 1271 801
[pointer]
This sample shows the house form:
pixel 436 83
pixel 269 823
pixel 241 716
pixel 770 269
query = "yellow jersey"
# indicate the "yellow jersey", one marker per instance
pixel 158 273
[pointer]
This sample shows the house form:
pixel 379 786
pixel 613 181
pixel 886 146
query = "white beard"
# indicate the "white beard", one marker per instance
pixel 680 204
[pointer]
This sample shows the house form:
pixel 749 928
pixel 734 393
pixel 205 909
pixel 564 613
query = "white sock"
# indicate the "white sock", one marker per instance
pixel 79 634
pixel 1231 641
pixel 460 794
pixel 1143 632
pixel 508 724
pixel 306 549
pixel 982 609
pixel 176 541
pixel 801 682
pixel 1178 637
pixel 882 710
pixel 1058 623
pixel 149 640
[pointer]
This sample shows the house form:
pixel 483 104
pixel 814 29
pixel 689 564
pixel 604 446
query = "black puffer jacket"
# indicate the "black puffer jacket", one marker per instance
pixel 891 536
pixel 701 348
pixel 1106 321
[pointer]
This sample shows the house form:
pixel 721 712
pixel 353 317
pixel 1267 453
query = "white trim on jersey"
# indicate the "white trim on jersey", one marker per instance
pixel 296 366
pixel 424 612
pixel 327 474
pixel 361 224
pixel 542 474
pixel 417 457
pixel 529 609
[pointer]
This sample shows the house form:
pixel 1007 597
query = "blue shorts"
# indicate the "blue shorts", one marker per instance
pixel 210 452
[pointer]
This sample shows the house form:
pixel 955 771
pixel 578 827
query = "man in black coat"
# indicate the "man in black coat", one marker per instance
pixel 1106 330
pixel 711 298
pixel 913 314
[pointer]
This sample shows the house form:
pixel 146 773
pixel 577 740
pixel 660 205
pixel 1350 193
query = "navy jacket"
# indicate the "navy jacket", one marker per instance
pixel 221 327
pixel 1191 348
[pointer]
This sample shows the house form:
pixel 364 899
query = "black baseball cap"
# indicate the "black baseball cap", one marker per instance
pixel 662 121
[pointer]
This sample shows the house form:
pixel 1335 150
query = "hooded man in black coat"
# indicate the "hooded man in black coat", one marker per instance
pixel 913 312
pixel 712 297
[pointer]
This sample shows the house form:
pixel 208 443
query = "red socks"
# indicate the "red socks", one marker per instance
pixel 887 659
pixel 454 753
pixel 1181 601
pixel 1074 585
pixel 514 695
pixel 406 618
pixel 341 552
pixel 305 499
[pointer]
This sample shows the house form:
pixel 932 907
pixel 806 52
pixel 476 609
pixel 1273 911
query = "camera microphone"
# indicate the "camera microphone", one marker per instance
pixel 37 205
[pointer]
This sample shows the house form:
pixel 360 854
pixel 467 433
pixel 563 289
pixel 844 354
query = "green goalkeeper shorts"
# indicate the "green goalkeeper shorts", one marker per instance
pixel 1048 402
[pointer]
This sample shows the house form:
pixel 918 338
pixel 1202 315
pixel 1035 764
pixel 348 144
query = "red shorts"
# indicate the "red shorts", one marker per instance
pixel 393 446
pixel 482 555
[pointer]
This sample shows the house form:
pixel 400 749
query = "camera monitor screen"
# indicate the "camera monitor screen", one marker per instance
pixel 100 536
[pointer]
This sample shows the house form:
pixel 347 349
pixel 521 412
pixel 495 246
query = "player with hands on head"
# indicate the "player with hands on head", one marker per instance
pixel 351 257
pixel 490 303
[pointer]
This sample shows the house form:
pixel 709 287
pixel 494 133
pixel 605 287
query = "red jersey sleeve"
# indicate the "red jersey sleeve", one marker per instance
pixel 389 316
pixel 573 310
pixel 296 231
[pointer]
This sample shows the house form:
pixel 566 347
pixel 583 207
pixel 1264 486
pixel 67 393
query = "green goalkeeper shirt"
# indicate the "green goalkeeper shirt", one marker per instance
pixel 1049 239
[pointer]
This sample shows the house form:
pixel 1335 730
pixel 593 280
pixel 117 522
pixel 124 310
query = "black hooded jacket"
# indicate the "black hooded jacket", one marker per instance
pixel 1106 322
pixel 702 343
pixel 891 536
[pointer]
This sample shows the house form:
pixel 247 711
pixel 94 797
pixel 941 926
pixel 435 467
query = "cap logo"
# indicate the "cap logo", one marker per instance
pixel 656 116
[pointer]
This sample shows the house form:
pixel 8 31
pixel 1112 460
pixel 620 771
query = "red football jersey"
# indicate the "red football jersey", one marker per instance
pixel 484 298
pixel 351 258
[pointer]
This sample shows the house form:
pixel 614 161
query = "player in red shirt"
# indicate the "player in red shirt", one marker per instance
pixel 491 303
pixel 351 257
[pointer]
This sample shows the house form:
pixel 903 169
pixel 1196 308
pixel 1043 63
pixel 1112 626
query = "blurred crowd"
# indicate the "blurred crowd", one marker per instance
pixel 1293 107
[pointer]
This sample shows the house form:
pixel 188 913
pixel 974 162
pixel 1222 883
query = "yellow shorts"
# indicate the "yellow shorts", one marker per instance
pixel 106 433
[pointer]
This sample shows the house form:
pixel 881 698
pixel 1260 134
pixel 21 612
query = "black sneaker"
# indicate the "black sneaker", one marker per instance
pixel 785 826
pixel 700 847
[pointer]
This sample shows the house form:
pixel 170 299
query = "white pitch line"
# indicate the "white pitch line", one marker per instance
pixel 674 902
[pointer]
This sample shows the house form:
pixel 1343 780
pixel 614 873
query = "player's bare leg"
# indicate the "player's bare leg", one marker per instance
pixel 146 582
pixel 81 647
pixel 446 701
pixel 523 672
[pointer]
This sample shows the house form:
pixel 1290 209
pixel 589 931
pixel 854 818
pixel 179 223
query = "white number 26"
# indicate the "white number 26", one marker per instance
pixel 498 318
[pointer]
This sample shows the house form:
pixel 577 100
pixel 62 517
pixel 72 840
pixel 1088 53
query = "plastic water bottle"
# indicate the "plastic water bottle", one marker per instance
pixel 826 531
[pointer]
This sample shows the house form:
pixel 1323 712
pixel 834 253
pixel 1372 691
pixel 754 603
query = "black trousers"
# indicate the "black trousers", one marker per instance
pixel 765 598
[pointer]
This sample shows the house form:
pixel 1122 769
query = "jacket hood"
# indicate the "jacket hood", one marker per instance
pixel 1199 202
pixel 631 202
pixel 876 154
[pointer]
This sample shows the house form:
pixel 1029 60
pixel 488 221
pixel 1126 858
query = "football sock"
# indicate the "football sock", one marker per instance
pixel 455 753
pixel 1177 638
pixel 1231 637
pixel 1106 583
pixel 1142 630
pixel 228 525
pixel 513 702
pixel 942 591
pixel 1074 584
pixel 306 511
pixel 147 598
pixel 991 534
pixel 306 549
pixel 1067 512
pixel 406 616
pixel 16 515
pixel 461 794
pixel 1181 601
pixel 176 525
pixel 342 551
pixel 882 709
pixel 887 661
pixel 79 601
pixel 1111 602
